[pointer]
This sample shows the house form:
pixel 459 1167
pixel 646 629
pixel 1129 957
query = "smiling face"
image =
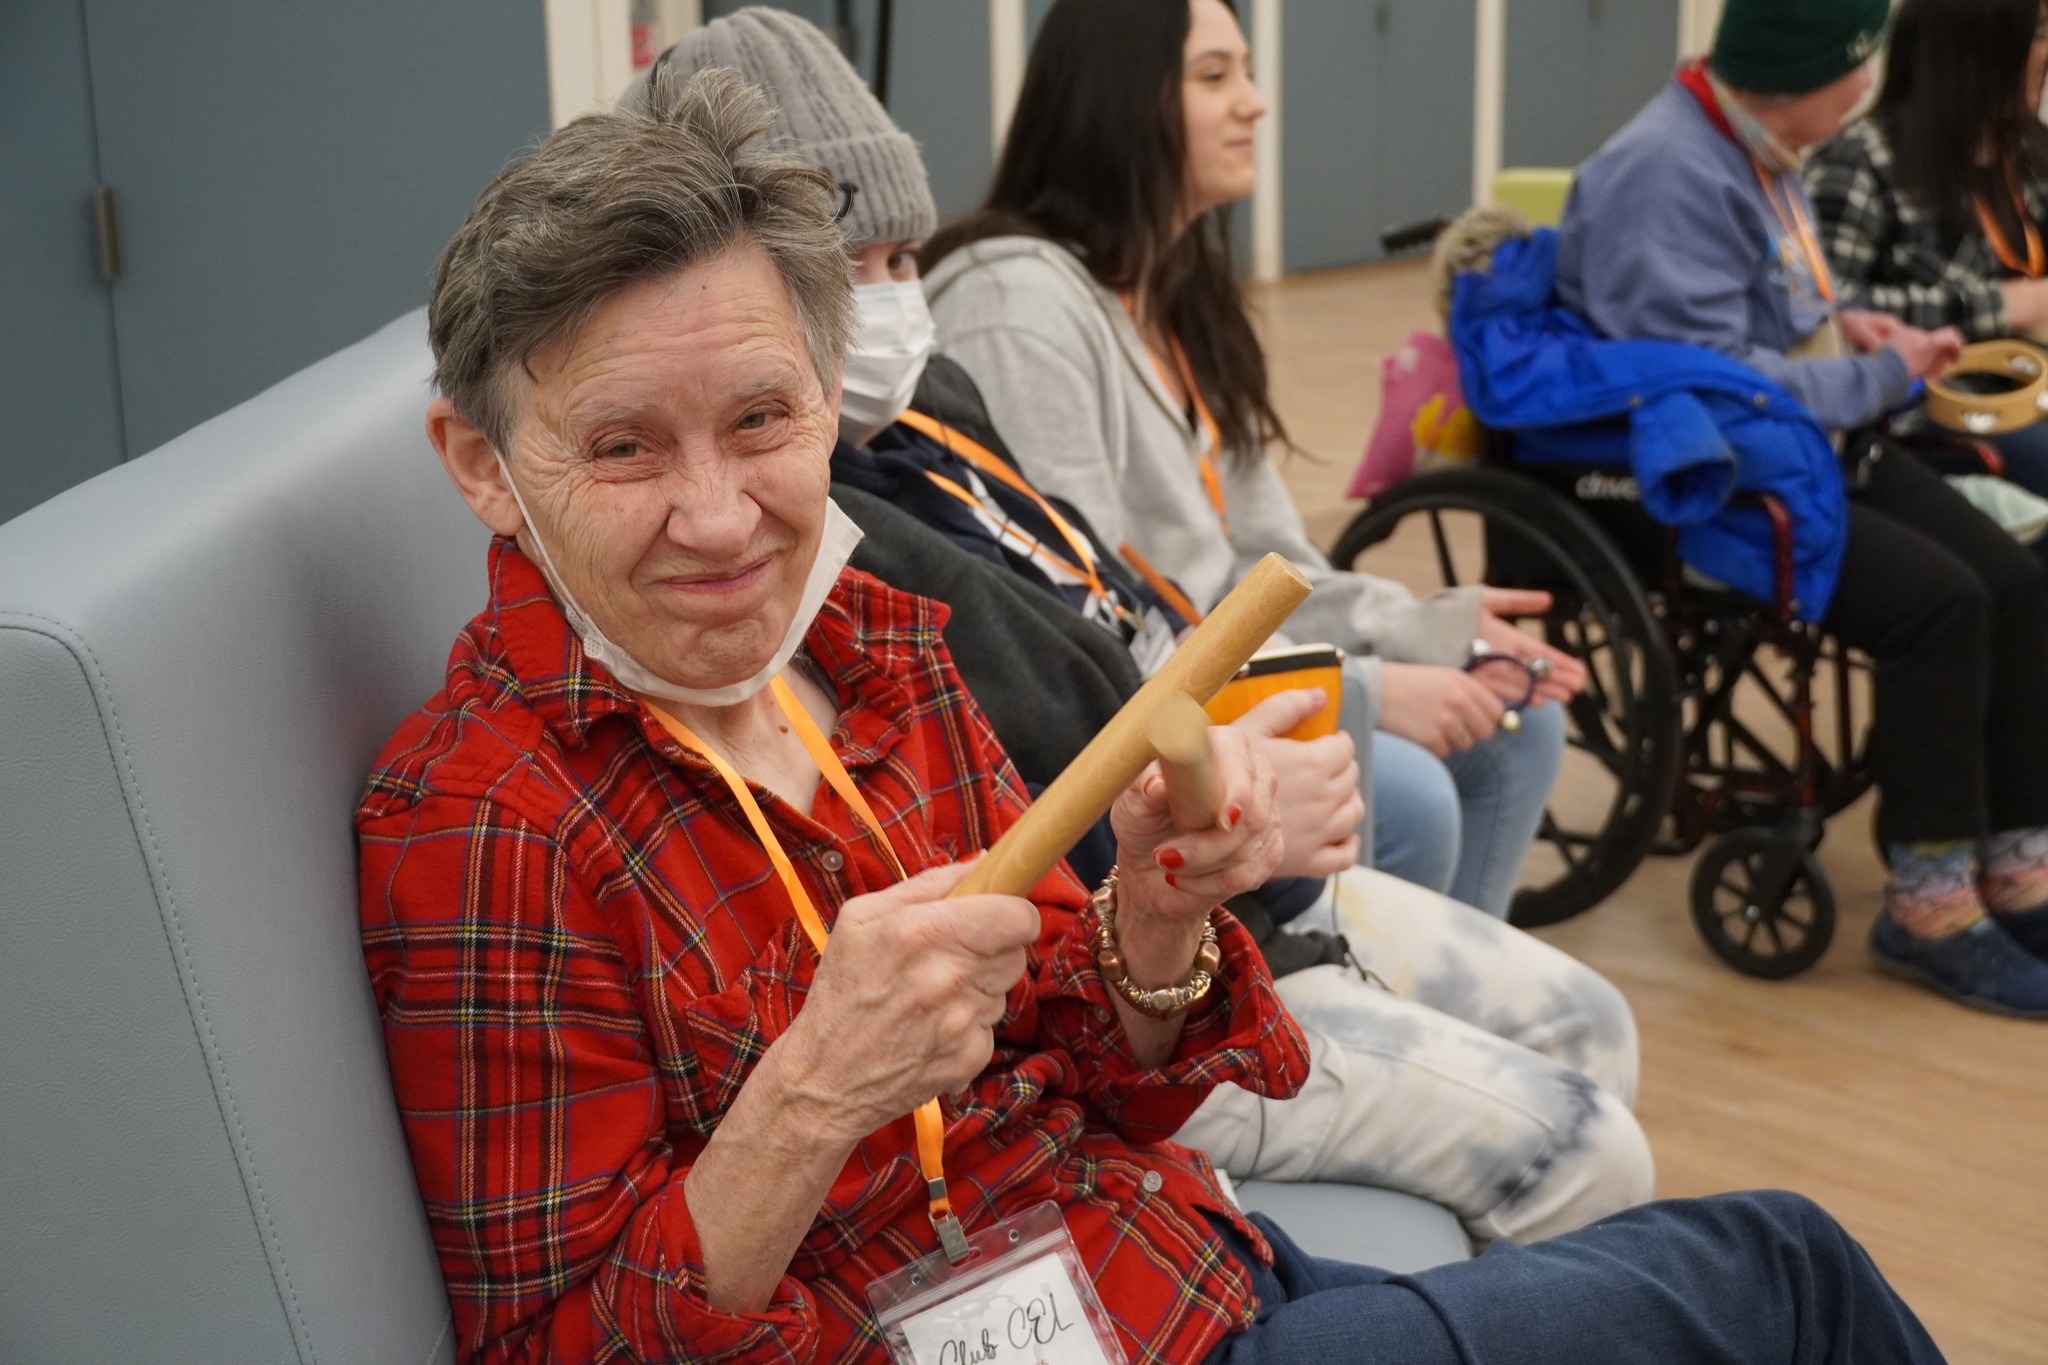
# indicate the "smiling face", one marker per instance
pixel 674 458
pixel 1220 106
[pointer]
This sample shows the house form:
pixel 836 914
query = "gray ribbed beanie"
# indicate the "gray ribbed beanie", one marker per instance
pixel 824 111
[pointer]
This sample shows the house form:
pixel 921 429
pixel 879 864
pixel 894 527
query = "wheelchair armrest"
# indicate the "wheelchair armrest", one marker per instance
pixel 1950 452
pixel 1781 542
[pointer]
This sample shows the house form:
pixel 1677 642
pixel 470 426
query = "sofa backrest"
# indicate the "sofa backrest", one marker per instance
pixel 200 654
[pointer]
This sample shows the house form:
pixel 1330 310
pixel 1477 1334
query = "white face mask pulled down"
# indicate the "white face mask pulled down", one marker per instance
pixel 894 340
pixel 835 548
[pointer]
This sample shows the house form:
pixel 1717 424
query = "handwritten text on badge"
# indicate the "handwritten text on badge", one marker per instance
pixel 1031 1316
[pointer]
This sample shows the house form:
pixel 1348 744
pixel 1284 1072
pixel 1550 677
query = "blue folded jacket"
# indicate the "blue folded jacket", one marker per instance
pixel 1692 425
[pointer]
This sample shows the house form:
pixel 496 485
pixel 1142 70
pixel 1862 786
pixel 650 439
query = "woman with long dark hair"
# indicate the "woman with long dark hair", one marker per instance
pixel 1932 208
pixel 1094 301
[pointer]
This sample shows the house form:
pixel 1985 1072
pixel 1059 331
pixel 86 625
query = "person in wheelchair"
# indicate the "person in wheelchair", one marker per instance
pixel 1098 269
pixel 654 889
pixel 1495 1076
pixel 1692 225
pixel 1931 206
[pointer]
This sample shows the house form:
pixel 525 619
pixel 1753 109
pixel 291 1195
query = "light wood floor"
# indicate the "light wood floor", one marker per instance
pixel 1921 1125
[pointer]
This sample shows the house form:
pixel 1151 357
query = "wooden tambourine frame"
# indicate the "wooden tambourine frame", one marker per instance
pixel 1992 414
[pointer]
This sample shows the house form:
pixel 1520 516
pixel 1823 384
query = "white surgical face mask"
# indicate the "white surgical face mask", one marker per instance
pixel 835 548
pixel 894 340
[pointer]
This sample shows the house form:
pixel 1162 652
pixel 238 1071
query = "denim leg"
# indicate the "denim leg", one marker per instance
pixel 2025 456
pixel 1741 1278
pixel 1503 785
pixel 1415 815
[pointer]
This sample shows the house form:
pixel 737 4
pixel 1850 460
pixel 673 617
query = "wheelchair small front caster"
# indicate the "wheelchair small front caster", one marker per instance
pixel 1763 902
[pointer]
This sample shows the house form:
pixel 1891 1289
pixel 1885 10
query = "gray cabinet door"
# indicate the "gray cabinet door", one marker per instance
pixel 1377 122
pixel 60 411
pixel 1579 69
pixel 939 94
pixel 288 174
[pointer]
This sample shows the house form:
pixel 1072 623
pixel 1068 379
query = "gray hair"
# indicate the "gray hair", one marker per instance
pixel 619 197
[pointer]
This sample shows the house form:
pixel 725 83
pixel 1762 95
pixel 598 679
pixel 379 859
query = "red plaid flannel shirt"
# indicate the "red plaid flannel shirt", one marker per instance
pixel 579 951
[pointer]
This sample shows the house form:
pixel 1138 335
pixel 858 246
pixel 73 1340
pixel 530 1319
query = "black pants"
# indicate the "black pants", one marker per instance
pixel 1955 613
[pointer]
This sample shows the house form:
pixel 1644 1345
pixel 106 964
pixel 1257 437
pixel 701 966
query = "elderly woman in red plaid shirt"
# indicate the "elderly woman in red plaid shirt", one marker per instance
pixel 652 1120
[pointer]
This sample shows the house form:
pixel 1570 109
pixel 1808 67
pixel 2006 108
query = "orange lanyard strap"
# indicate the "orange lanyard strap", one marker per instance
pixel 986 461
pixel 1212 435
pixel 2036 262
pixel 1798 225
pixel 1169 591
pixel 931 1124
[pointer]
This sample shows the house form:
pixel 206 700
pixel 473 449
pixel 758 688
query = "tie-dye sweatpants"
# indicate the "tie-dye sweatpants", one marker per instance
pixel 1490 1073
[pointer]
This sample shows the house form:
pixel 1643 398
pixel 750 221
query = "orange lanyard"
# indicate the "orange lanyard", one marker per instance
pixel 2036 262
pixel 1792 216
pixel 1169 591
pixel 931 1124
pixel 1082 566
pixel 1212 435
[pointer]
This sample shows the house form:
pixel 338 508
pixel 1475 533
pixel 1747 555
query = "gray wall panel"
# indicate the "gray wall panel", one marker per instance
pixel 1377 124
pixel 289 173
pixel 60 416
pixel 939 93
pixel 1579 69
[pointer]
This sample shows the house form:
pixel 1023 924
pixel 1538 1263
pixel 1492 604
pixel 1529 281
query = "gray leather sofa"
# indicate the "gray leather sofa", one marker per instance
pixel 200 652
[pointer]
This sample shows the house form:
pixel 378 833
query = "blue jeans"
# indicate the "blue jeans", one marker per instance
pixel 1462 825
pixel 1745 1277
pixel 2025 454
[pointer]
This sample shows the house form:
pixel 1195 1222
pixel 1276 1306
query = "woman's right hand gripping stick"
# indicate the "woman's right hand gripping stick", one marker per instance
pixel 905 1003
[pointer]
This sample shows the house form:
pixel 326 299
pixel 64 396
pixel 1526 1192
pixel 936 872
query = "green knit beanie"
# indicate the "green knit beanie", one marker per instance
pixel 1791 47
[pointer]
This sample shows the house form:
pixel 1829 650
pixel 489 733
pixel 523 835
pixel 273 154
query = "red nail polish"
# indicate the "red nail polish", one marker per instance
pixel 1232 816
pixel 1171 882
pixel 1170 859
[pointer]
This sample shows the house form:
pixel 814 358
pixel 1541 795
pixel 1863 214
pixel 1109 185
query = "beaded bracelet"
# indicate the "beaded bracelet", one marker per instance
pixel 1163 1002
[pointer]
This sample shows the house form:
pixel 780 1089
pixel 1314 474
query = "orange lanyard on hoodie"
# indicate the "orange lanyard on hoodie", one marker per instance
pixel 1798 225
pixel 1790 210
pixel 1082 565
pixel 931 1124
pixel 2036 262
pixel 1212 435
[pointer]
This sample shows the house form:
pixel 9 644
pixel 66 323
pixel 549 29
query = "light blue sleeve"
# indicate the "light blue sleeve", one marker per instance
pixel 1671 257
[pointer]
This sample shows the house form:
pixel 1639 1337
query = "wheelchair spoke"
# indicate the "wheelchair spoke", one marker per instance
pixel 1444 566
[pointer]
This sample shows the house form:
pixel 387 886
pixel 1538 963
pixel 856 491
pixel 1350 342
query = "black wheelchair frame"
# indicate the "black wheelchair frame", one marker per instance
pixel 1667 659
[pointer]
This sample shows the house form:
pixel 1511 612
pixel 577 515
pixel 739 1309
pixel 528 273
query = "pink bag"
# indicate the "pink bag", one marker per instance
pixel 1424 369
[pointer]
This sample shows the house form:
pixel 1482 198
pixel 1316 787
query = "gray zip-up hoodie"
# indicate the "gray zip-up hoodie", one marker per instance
pixel 1079 401
pixel 1668 236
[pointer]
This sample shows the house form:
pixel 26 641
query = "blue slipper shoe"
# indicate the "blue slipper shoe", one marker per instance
pixel 2029 929
pixel 1982 967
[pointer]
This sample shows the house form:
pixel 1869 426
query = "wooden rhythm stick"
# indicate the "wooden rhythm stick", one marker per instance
pixel 1179 734
pixel 1231 634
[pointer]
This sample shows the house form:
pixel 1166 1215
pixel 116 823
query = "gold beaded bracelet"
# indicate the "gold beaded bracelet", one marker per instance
pixel 1164 1002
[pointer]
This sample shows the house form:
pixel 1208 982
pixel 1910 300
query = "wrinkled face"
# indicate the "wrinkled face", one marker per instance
pixel 1813 118
pixel 1219 106
pixel 673 456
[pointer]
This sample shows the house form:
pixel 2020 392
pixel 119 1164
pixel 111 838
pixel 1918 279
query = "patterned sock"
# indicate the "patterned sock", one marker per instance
pixel 1932 892
pixel 2015 870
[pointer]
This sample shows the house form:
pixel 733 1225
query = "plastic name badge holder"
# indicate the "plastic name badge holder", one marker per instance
pixel 1020 1297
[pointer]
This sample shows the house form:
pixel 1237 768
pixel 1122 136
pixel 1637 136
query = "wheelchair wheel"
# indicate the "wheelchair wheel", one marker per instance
pixel 1763 903
pixel 1459 527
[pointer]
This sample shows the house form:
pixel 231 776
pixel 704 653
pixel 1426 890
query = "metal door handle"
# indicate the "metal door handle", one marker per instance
pixel 106 226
